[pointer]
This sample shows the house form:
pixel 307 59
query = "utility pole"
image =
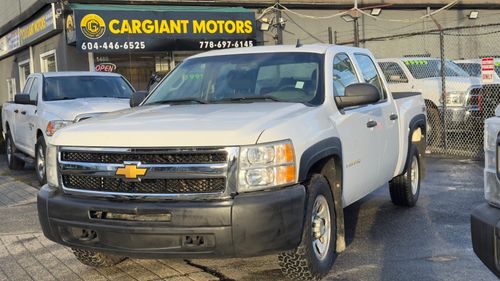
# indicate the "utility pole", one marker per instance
pixel 330 35
pixel 279 25
pixel 355 16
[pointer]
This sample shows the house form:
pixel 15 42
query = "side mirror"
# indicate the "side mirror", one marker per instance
pixel 358 94
pixel 137 98
pixel 22 99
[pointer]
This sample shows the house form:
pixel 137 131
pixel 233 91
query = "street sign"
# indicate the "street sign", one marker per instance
pixel 487 70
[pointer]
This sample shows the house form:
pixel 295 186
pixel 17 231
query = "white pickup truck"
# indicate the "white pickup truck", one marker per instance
pixel 237 152
pixel 465 98
pixel 51 101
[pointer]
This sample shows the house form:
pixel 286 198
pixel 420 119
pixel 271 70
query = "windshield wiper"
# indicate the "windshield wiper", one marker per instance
pixel 191 100
pixel 252 98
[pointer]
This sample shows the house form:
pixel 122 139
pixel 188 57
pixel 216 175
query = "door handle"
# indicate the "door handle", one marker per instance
pixel 371 124
pixel 393 116
pixel 23 112
pixel 16 111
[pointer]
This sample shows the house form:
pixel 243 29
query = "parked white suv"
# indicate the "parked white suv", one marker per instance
pixel 51 101
pixel 238 152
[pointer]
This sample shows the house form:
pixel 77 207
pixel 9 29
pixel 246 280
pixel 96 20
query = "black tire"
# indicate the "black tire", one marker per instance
pixel 13 162
pixel 434 127
pixel 403 192
pixel 41 172
pixel 303 263
pixel 97 259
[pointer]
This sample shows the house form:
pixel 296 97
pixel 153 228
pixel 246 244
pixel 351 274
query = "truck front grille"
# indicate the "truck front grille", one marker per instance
pixel 190 173
pixel 161 157
pixel 155 186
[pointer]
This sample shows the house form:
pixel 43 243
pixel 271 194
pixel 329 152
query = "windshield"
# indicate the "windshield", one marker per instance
pixel 269 77
pixel 474 69
pixel 74 87
pixel 421 69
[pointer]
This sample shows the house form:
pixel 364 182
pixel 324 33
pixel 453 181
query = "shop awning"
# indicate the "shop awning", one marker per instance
pixel 151 28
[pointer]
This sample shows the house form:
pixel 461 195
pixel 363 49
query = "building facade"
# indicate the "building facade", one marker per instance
pixel 140 39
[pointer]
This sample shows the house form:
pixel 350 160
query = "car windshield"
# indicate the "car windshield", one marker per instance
pixel 263 77
pixel 474 69
pixel 75 87
pixel 421 69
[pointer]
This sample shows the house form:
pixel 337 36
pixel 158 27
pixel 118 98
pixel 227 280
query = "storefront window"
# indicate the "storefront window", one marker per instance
pixel 24 72
pixel 48 61
pixel 143 71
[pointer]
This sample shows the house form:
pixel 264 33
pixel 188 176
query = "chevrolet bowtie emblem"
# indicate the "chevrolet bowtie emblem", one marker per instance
pixel 131 171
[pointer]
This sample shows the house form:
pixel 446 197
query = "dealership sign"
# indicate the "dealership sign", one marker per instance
pixel 29 32
pixel 161 28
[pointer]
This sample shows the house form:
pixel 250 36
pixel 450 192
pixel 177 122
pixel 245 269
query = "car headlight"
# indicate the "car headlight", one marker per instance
pixel 51 164
pixel 55 125
pixel 455 98
pixel 266 165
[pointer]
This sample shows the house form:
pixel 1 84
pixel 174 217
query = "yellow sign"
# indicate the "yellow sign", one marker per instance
pixel 93 26
pixel 131 172
pixel 149 26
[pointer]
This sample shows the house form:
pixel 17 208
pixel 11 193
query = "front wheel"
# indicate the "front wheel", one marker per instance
pixel 40 164
pixel 405 188
pixel 315 255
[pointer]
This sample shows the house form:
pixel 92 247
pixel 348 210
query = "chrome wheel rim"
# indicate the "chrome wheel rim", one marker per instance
pixel 40 162
pixel 414 173
pixel 9 150
pixel 321 227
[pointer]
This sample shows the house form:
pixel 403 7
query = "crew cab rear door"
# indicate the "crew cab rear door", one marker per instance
pixel 19 118
pixel 388 133
pixel 360 131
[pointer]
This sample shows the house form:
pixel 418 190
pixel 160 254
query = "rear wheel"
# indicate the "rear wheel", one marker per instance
pixel 314 257
pixel 97 259
pixel 13 162
pixel 405 188
pixel 40 161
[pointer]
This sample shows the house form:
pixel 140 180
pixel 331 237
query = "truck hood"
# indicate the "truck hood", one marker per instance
pixel 69 109
pixel 180 125
pixel 453 84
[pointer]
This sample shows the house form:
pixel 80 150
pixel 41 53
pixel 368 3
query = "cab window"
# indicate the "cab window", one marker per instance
pixel 343 73
pixel 393 72
pixel 34 90
pixel 369 73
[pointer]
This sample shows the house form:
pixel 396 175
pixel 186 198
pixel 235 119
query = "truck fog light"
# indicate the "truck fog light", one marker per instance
pixel 52 177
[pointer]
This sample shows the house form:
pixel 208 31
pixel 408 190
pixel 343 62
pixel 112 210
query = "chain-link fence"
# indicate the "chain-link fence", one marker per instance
pixel 457 71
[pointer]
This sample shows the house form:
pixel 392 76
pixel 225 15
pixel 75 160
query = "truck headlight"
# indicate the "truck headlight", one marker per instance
pixel 266 165
pixel 455 98
pixel 55 125
pixel 52 177
pixel 491 159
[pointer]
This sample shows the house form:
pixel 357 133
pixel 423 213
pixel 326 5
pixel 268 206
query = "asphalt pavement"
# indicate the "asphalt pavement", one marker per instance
pixel 384 242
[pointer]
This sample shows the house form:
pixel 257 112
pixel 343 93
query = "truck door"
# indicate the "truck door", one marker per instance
pixel 18 117
pixel 27 115
pixel 359 129
pixel 388 132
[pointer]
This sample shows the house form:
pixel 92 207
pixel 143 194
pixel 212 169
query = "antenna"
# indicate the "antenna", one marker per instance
pixel 298 45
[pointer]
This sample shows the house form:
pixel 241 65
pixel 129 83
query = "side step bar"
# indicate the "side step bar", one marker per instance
pixel 25 158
